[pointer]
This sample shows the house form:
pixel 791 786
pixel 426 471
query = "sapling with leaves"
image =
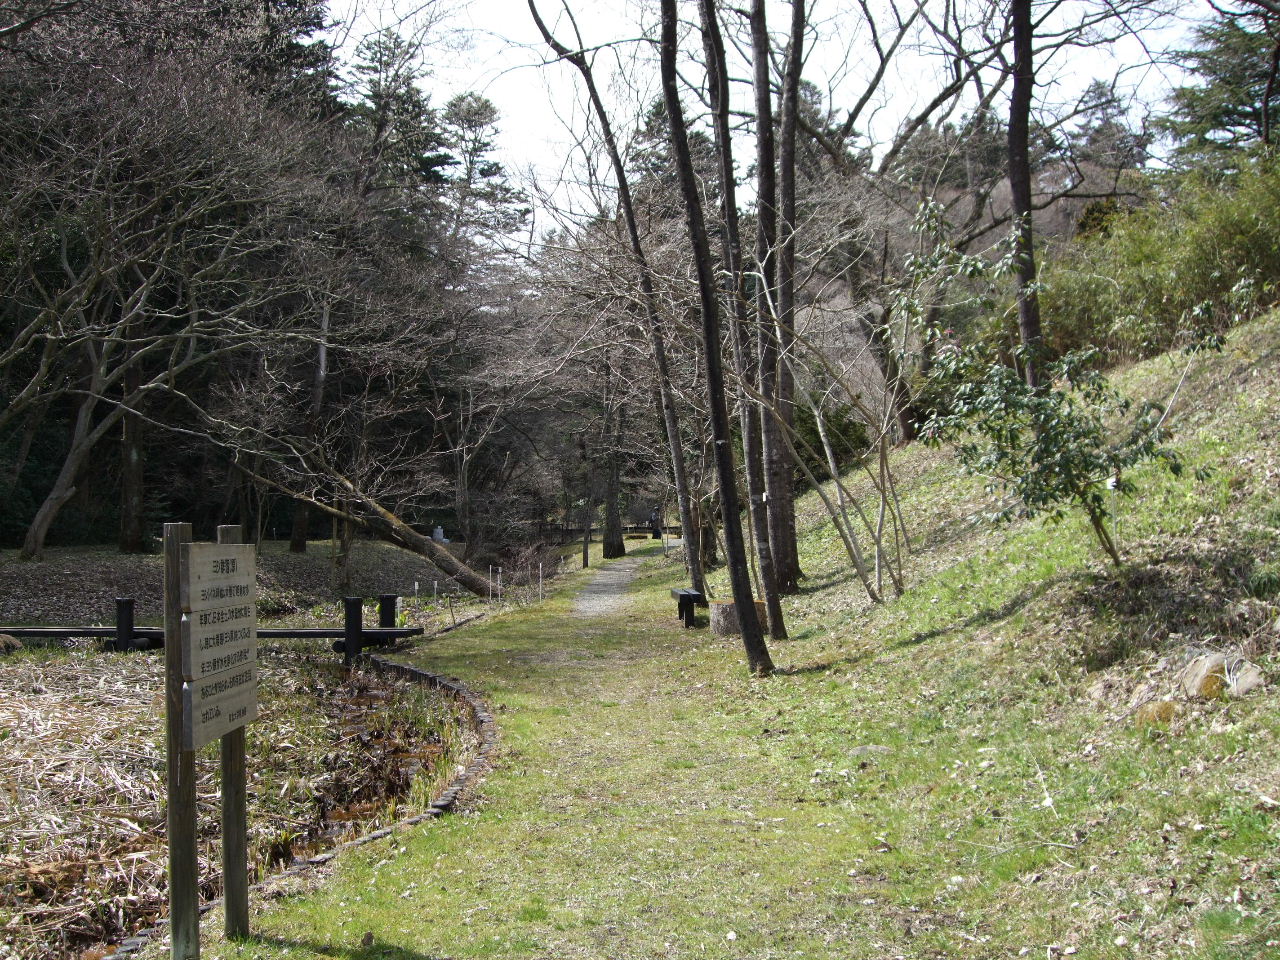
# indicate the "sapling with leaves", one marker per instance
pixel 1053 447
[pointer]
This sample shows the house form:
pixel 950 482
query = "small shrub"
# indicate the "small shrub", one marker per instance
pixel 1050 447
pixel 1264 582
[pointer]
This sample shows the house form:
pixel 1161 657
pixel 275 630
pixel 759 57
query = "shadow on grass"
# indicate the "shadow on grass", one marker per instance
pixel 816 583
pixel 358 951
pixel 1186 593
pixel 822 666
pixel 989 615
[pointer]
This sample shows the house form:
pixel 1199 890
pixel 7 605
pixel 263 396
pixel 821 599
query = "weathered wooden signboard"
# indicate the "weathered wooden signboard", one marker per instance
pixel 219 640
pixel 211 693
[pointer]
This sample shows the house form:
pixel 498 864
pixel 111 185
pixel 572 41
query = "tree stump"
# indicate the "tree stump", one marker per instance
pixel 724 617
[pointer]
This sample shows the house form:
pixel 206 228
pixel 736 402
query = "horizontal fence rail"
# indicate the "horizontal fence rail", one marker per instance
pixel 352 637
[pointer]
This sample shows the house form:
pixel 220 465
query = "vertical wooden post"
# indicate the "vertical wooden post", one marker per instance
pixel 352 625
pixel 235 822
pixel 124 625
pixel 387 609
pixel 184 903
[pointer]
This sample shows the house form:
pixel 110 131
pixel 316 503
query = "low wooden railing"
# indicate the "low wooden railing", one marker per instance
pixel 350 639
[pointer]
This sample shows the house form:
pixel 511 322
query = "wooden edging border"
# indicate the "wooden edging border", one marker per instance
pixel 482 725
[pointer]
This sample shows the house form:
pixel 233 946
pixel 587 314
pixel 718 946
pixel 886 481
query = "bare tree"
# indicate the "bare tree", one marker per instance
pixel 670 418
pixel 758 659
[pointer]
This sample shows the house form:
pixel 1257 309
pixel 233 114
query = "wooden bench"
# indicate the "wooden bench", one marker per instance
pixel 686 600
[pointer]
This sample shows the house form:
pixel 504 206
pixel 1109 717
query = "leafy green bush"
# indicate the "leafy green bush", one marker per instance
pixel 1052 448
pixel 1170 273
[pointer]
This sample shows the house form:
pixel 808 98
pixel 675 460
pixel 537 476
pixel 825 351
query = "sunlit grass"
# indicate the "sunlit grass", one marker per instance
pixel 954 773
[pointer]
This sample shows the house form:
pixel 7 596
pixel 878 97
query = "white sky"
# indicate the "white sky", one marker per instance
pixel 492 47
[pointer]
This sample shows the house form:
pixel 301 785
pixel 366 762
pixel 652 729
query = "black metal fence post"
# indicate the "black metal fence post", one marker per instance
pixel 387 609
pixel 352 625
pixel 124 625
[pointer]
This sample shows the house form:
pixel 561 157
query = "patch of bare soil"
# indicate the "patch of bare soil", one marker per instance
pixel 82 808
pixel 1194 591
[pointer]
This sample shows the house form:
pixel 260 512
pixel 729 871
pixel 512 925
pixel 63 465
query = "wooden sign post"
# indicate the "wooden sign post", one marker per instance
pixel 211 692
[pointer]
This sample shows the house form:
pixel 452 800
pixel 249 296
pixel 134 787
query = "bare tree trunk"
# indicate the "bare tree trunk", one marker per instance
pixel 301 510
pixel 757 652
pixel 1024 80
pixel 342 535
pixel 588 507
pixel 670 418
pixel 300 527
pixel 790 105
pixel 744 355
pixel 612 543
pixel 777 466
pixel 245 507
pixel 705 515
pixel 462 500
pixel 133 536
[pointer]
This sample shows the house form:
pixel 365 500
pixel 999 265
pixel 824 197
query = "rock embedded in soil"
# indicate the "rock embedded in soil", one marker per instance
pixel 1156 713
pixel 1212 676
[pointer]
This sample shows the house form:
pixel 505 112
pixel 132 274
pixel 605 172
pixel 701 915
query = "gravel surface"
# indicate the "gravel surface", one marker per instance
pixel 605 595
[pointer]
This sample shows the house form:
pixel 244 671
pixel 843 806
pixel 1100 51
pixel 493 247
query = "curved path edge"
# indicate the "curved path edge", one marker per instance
pixel 482 724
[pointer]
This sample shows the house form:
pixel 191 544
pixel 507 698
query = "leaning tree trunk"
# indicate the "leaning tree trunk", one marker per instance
pixel 1029 332
pixel 757 652
pixel 744 356
pixel 385 524
pixel 84 438
pixel 670 419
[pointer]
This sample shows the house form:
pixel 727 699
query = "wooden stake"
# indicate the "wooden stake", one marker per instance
pixel 235 823
pixel 184 902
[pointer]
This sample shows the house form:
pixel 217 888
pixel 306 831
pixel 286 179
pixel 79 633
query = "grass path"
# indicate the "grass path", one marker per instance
pixel 605 593
pixel 954 774
pixel 633 813
pixel 651 800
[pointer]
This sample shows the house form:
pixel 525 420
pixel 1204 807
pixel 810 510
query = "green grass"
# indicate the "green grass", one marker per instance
pixel 954 773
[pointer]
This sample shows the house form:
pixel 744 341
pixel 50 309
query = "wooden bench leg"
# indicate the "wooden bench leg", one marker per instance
pixel 689 610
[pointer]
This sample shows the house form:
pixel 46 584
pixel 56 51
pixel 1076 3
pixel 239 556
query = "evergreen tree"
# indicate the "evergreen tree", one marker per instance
pixel 1233 102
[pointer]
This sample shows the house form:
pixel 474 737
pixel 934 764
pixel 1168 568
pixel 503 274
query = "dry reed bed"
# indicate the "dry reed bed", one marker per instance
pixel 82 828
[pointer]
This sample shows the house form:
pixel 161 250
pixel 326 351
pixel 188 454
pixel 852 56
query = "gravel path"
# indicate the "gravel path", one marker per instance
pixel 605 595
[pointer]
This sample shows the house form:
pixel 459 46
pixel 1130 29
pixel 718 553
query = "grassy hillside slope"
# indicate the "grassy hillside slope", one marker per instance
pixel 959 772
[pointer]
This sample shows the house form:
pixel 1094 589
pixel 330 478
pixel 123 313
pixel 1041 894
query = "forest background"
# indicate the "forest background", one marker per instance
pixel 243 277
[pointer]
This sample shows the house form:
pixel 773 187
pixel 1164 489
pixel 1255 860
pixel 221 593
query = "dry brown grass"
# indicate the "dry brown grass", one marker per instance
pixel 82 812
